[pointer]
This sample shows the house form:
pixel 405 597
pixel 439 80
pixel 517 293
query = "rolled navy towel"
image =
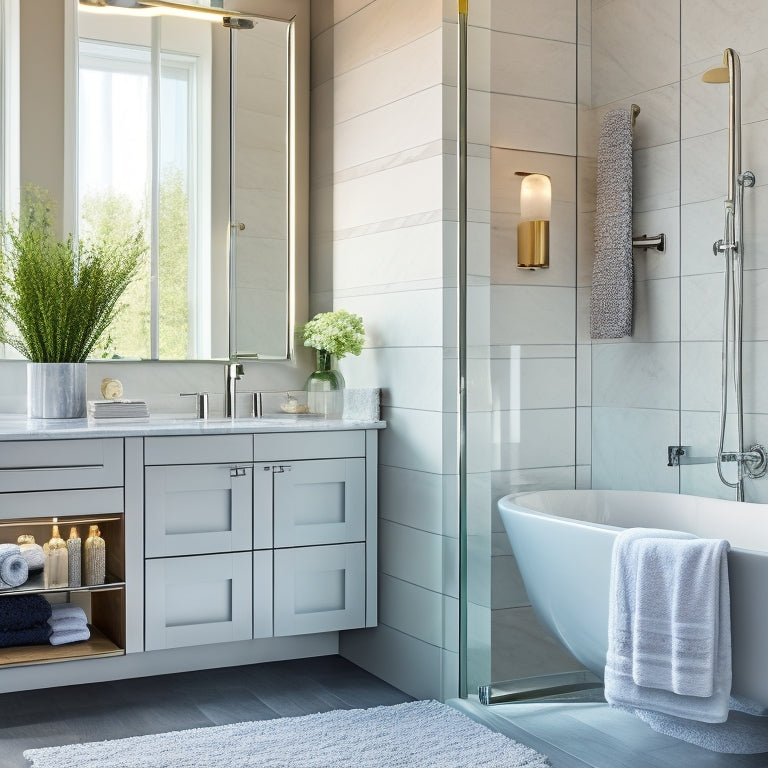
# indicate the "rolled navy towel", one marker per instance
pixel 36 635
pixel 14 570
pixel 68 611
pixel 23 612
pixel 70 636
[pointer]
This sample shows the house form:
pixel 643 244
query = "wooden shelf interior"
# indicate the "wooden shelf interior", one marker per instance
pixel 98 646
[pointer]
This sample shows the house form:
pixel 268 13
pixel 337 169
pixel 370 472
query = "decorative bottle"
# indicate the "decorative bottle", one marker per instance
pixel 94 557
pixel 56 560
pixel 75 558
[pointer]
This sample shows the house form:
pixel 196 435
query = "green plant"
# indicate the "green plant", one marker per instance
pixel 58 298
pixel 339 333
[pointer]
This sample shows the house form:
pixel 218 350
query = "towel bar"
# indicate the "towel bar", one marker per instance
pixel 659 242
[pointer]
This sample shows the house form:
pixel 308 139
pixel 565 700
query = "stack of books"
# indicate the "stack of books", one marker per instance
pixel 120 410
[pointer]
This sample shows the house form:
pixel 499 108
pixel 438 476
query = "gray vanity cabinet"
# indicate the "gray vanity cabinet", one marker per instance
pixel 271 541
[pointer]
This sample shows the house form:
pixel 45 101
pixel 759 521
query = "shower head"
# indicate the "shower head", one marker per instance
pixel 716 75
pixel 721 74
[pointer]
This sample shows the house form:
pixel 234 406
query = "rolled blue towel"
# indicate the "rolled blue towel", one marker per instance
pixel 14 570
pixel 68 611
pixel 70 636
pixel 65 623
pixel 36 635
pixel 23 612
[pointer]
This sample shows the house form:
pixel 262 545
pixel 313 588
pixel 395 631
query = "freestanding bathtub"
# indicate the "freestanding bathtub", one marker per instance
pixel 562 542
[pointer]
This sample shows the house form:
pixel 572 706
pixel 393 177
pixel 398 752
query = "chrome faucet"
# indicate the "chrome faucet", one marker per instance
pixel 232 372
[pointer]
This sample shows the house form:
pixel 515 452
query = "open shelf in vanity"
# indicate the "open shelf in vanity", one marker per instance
pixel 104 604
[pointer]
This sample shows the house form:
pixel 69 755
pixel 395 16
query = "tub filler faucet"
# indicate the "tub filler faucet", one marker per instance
pixel 232 372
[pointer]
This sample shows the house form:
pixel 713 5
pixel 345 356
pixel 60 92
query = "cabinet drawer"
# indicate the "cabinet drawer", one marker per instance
pixel 308 445
pixel 81 502
pixel 198 600
pixel 320 502
pixel 42 465
pixel 319 589
pixel 199 509
pixel 198 449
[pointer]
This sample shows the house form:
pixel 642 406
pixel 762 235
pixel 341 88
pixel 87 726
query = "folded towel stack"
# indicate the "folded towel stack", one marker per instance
pixel 69 624
pixel 14 570
pixel 24 620
pixel 669 641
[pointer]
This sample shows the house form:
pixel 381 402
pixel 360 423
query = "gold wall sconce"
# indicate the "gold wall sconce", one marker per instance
pixel 535 213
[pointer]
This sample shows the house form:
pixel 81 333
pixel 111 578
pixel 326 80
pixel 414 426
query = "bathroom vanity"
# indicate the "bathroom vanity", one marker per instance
pixel 227 542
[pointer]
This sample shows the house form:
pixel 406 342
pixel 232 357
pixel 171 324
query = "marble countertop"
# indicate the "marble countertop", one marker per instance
pixel 15 427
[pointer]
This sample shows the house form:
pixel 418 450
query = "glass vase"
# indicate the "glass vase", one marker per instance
pixel 325 388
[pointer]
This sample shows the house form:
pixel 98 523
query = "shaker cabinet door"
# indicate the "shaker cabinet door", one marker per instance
pixel 197 509
pixel 198 600
pixel 319 589
pixel 319 502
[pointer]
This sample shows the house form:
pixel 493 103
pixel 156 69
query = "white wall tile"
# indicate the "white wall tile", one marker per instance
pixel 521 315
pixel 629 449
pixel 627 62
pixel 411 555
pixel 535 67
pixel 412 498
pixel 508 588
pixel 656 310
pixel 710 26
pixel 652 264
pixel 656 174
pixel 410 377
pixel 533 383
pixel 413 440
pixel 412 68
pixel 551 19
pixel 583 436
pixel 534 438
pixel 549 126
pixel 635 375
pixel 410 609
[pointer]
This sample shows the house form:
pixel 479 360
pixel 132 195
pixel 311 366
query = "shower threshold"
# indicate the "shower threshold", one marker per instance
pixel 539 687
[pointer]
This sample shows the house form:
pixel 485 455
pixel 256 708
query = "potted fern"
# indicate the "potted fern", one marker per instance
pixel 57 298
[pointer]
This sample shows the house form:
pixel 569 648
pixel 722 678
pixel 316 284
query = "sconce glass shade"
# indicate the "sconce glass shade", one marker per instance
pixel 533 229
pixel 536 198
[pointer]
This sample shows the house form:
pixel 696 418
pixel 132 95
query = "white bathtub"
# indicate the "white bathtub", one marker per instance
pixel 562 542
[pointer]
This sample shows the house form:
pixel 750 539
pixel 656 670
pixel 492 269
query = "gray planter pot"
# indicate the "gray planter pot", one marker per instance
pixel 56 390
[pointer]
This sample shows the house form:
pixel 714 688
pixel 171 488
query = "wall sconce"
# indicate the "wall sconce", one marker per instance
pixel 535 213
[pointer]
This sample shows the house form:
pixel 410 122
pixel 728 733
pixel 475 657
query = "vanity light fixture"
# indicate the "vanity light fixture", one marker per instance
pixel 535 213
pixel 233 19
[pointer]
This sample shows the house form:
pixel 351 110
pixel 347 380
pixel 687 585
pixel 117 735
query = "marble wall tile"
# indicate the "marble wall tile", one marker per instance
pixel 636 375
pixel 629 449
pixel 411 609
pixel 413 440
pixel 377 29
pixel 704 167
pixel 701 430
pixel 389 194
pixel 710 26
pixel 406 70
pixel 652 264
pixel 549 126
pixel 533 438
pixel 533 383
pixel 625 62
pixel 550 19
pixel 388 131
pixel 701 303
pixel 656 178
pixel 657 310
pixel 700 375
pixel 522 316
pixel 534 67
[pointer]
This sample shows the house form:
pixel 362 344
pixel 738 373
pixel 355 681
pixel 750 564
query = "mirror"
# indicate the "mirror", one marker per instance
pixel 183 127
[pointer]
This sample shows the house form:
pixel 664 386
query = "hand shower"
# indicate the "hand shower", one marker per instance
pixel 753 463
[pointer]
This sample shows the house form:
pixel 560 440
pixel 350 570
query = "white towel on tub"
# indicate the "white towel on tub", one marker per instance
pixel 669 634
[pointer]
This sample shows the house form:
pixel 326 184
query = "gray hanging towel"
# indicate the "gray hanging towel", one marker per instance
pixel 612 273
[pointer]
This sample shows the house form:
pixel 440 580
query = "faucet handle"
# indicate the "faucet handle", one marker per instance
pixel 201 404
pixel 235 370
